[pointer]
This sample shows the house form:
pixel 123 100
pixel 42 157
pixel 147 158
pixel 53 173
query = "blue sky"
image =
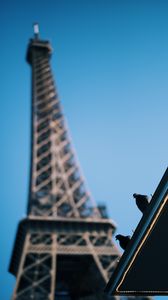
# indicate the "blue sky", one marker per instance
pixel 110 64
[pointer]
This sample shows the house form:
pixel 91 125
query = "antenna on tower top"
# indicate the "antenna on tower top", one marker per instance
pixel 36 31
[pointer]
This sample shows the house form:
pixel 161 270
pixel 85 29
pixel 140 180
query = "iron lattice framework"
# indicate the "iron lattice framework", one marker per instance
pixel 64 248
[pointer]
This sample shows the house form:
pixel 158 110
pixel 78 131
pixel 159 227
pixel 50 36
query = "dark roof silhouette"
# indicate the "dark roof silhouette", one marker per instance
pixel 142 269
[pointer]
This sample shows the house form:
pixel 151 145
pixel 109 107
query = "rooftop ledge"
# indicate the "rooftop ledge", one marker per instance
pixel 142 269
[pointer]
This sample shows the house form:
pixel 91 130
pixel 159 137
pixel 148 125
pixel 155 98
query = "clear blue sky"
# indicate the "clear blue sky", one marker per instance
pixel 110 63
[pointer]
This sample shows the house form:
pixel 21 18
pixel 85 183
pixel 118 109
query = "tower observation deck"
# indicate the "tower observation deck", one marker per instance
pixel 63 248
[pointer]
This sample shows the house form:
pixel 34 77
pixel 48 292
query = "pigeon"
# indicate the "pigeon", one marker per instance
pixel 142 202
pixel 123 240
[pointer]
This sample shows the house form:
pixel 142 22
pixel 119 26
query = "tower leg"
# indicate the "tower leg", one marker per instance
pixel 37 268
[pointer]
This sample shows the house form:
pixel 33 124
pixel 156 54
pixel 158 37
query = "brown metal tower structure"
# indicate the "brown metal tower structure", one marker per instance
pixel 63 248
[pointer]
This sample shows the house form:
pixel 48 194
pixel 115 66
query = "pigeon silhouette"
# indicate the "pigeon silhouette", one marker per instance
pixel 123 240
pixel 142 202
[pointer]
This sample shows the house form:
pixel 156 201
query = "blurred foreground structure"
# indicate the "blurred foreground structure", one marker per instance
pixel 63 248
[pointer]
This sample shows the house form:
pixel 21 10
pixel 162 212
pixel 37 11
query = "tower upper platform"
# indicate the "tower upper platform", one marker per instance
pixel 37 44
pixel 40 45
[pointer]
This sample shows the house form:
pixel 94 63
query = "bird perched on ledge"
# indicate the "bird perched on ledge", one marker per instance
pixel 123 240
pixel 142 202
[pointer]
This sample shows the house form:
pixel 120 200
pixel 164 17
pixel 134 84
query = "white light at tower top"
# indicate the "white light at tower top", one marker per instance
pixel 36 29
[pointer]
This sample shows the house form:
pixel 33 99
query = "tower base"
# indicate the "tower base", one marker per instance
pixel 63 258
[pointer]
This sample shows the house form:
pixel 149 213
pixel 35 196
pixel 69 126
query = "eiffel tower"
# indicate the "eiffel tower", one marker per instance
pixel 63 248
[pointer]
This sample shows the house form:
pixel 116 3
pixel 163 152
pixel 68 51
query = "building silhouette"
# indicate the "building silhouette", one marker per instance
pixel 63 248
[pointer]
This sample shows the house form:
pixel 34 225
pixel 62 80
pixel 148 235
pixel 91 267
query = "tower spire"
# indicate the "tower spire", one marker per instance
pixel 36 30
